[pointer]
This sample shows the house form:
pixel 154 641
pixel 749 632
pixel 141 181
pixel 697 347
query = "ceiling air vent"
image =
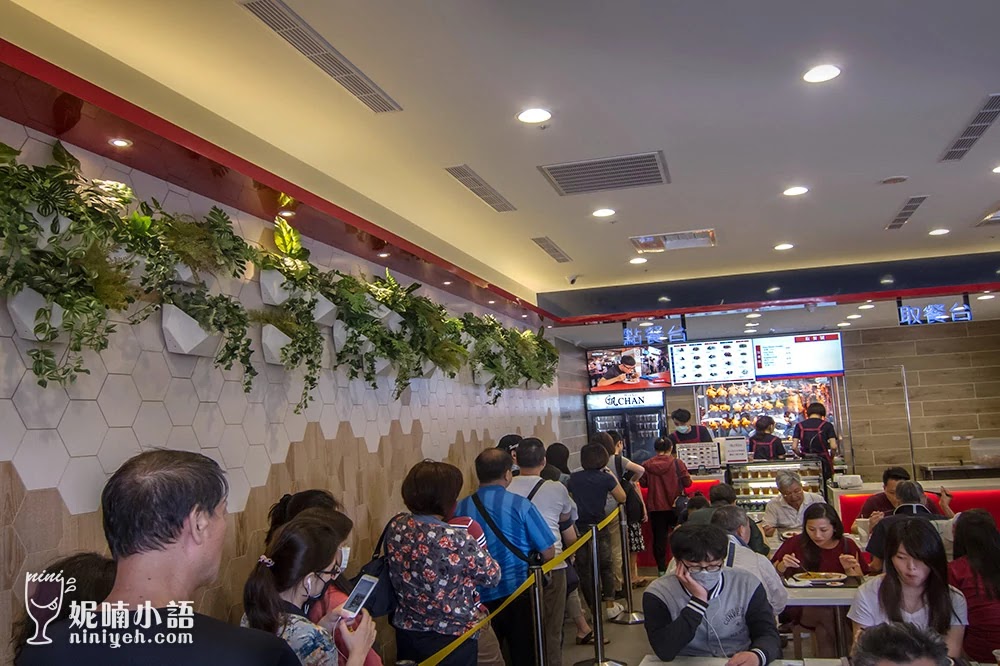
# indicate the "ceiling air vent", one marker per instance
pixel 280 18
pixel 981 122
pixel 551 249
pixel 991 219
pixel 464 174
pixel 905 213
pixel 609 173
pixel 679 240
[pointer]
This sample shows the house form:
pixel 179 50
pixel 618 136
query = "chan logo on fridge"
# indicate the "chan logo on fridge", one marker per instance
pixel 44 602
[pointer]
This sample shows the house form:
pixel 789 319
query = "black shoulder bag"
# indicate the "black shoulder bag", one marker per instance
pixel 534 559
pixel 382 600
pixel 633 503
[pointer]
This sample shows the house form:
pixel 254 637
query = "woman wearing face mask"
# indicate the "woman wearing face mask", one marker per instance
pixel 303 557
pixel 820 547
pixel 435 568
pixel 914 587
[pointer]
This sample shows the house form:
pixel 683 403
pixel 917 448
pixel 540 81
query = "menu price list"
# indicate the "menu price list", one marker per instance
pixel 793 354
pixel 715 361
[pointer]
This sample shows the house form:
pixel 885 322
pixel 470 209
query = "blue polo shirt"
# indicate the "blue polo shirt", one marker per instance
pixel 523 526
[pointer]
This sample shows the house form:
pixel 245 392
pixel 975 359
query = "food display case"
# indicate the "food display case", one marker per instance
pixel 730 409
pixel 754 482
pixel 700 455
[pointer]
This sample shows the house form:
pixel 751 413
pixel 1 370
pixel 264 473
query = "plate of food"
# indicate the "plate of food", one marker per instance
pixel 790 534
pixel 820 576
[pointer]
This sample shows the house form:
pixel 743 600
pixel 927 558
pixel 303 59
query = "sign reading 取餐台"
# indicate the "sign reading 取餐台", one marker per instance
pixel 597 402
pixel 934 313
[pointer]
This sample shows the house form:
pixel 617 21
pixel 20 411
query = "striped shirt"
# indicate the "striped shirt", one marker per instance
pixel 523 526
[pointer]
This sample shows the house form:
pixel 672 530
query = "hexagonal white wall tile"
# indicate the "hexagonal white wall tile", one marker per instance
pixel 182 438
pixel 329 421
pixel 239 490
pixel 275 403
pixel 215 455
pixel 88 386
pixel 181 401
pixel 41 459
pixel 257 466
pixel 357 390
pixel 152 425
pixel 233 446
pixel 81 485
pixel 277 443
pixel 255 424
pixel 40 407
pixel 12 133
pixel 406 420
pixel 11 430
pixel 295 426
pixel 370 409
pixel 372 437
pixel 233 402
pixel 119 445
pixel 383 421
pixel 123 351
pixel 152 376
pixel 327 392
pixel 358 421
pixel 6 323
pixel 11 368
pixel 180 365
pixel 149 332
pixel 82 428
pixel 119 400
pixel 209 425
pixel 207 380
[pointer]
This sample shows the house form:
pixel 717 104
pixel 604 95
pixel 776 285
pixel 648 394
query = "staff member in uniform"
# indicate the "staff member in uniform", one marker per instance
pixel 816 437
pixel 763 444
pixel 618 373
pixel 684 432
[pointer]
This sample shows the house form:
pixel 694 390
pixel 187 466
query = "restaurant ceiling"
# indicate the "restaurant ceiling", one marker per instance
pixel 716 87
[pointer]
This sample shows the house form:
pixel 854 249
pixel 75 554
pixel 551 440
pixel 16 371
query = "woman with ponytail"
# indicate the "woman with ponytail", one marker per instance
pixel 301 559
pixel 337 591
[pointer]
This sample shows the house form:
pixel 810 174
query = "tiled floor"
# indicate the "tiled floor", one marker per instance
pixel 628 642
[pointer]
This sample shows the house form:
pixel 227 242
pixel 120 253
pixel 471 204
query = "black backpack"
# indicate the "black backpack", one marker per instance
pixel 382 600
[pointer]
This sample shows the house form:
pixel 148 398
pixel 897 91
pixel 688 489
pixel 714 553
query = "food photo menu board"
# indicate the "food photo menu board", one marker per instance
pixel 712 361
pixel 787 356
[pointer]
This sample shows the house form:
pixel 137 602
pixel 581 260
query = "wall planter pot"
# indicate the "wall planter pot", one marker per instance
pixel 339 335
pixel 272 287
pixel 379 311
pixel 184 335
pixel 429 369
pixel 532 385
pixel 482 376
pixel 272 341
pixel 394 322
pixel 23 308
pixel 324 312
pixel 184 275
pixel 383 367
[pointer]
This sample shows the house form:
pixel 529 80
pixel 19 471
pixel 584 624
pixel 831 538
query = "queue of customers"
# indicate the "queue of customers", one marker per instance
pixel 452 560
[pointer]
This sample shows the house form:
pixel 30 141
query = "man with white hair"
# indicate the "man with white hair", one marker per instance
pixel 785 512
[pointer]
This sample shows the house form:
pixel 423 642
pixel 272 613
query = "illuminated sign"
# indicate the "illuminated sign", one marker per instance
pixel 934 313
pixel 597 402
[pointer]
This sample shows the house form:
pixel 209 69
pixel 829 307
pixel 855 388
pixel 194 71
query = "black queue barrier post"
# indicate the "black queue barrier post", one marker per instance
pixel 595 570
pixel 538 610
pixel 629 615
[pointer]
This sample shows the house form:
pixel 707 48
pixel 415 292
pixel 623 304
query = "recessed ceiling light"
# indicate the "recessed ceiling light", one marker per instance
pixel 491 302
pixel 383 255
pixel 120 143
pixel 524 316
pixel 893 180
pixel 938 232
pixel 781 247
pixel 534 116
pixel 286 213
pixel 866 306
pixel 773 290
pixel 664 299
pixel 795 191
pixel 637 260
pixel 844 324
pixel 996 169
pixel 549 326
pixel 854 316
pixel 603 212
pixel 446 282
pixel 645 323
pixel 821 74
pixel 753 323
pixel 754 315
pixel 887 279
pixel 750 330
pixel 986 297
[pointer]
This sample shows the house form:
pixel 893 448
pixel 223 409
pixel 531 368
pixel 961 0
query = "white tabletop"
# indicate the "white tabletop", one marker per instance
pixel 821 596
pixel 651 660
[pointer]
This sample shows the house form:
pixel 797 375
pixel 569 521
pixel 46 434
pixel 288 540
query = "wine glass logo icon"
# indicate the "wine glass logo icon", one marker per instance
pixel 44 602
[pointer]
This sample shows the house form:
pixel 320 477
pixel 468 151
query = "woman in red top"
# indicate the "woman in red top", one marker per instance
pixel 820 547
pixel 976 573
pixel 764 445
pixel 666 477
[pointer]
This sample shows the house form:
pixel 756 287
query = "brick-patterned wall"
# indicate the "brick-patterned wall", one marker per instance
pixel 574 383
pixel 953 376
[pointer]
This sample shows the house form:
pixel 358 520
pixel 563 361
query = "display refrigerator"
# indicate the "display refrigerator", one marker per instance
pixel 638 416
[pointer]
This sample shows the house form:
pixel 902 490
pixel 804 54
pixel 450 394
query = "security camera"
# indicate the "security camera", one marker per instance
pixel 572 278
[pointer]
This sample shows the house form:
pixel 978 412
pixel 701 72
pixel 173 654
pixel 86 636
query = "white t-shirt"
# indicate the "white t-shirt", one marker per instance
pixel 552 500
pixel 867 611
pixel 779 513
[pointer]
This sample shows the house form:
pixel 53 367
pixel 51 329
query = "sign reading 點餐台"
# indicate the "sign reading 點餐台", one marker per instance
pixel 597 402
pixel 934 313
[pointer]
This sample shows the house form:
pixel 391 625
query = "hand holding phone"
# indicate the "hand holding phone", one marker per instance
pixel 359 595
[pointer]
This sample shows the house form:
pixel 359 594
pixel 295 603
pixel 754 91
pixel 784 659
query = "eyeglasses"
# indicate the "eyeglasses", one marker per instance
pixel 707 568
pixel 332 573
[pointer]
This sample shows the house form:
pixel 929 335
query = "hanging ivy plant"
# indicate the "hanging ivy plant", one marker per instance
pixel 294 318
pixel 488 353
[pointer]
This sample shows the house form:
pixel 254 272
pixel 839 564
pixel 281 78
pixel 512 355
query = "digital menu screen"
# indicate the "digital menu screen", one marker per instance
pixel 789 356
pixel 712 361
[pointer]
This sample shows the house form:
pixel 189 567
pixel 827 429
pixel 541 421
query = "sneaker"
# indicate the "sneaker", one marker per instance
pixel 614 611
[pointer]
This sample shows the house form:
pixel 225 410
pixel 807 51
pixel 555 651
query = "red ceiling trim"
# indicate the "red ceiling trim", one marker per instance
pixel 68 82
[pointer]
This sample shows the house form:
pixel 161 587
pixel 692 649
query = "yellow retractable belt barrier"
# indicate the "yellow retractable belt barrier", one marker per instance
pixel 437 658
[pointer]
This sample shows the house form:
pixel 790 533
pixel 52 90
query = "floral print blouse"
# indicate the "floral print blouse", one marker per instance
pixel 311 643
pixel 435 569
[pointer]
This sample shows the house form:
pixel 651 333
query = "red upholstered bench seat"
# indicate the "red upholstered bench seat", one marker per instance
pixel 850 505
